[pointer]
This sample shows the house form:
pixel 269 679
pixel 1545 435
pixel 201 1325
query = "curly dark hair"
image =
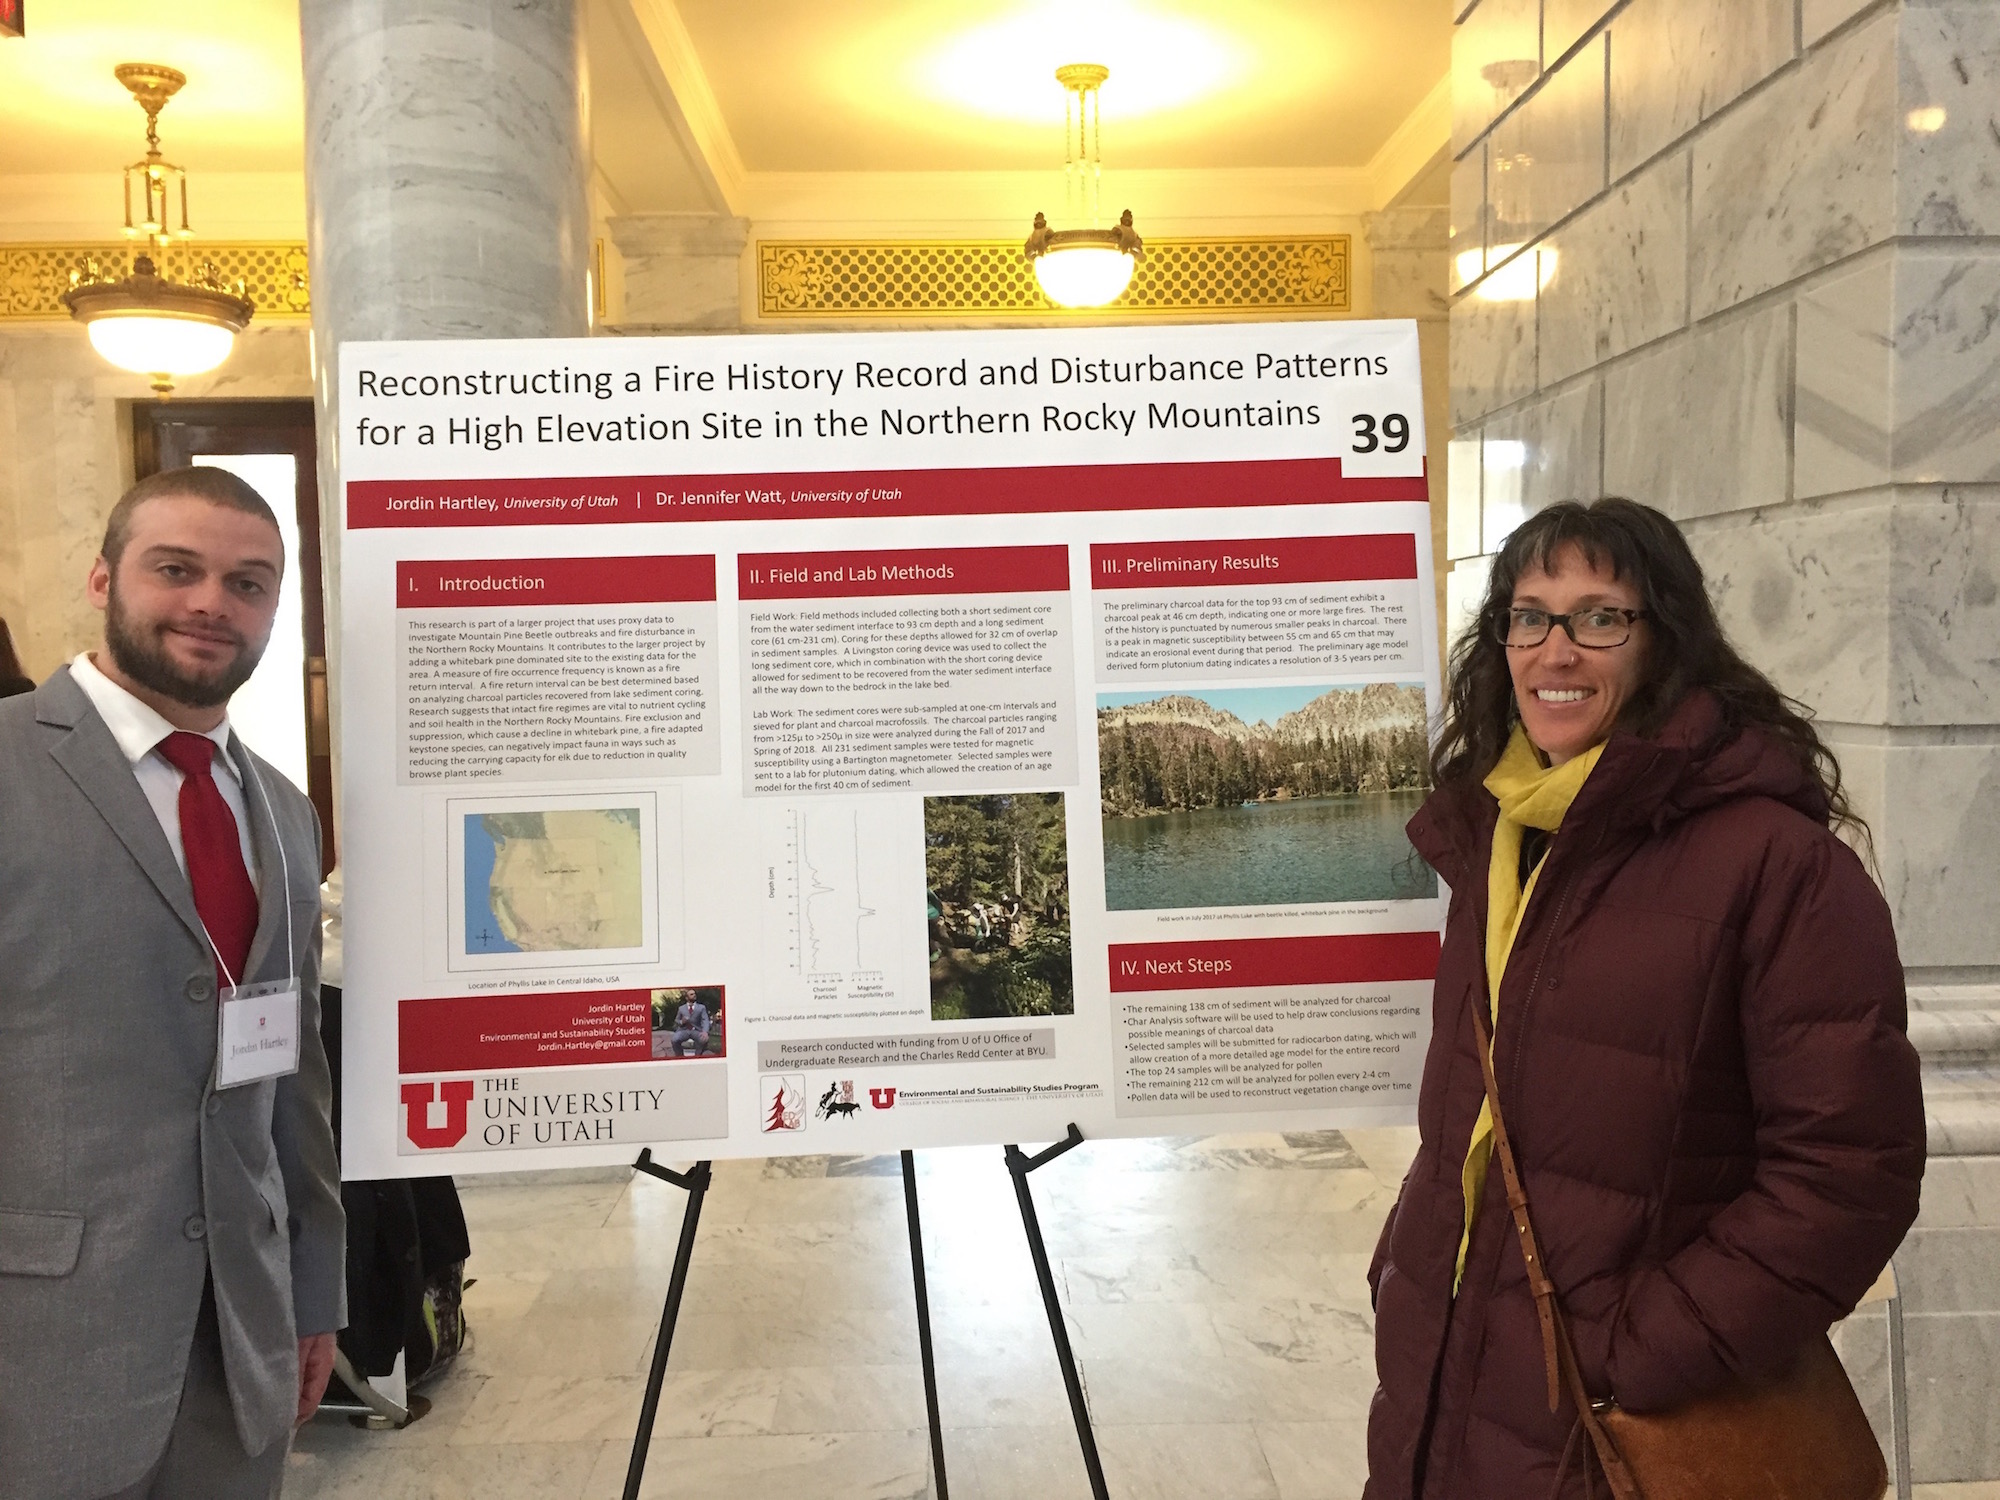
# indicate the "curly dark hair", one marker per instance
pixel 1688 648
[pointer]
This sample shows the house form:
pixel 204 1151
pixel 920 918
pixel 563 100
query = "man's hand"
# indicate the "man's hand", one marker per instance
pixel 315 1369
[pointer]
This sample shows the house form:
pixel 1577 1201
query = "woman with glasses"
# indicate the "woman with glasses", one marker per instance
pixel 1687 988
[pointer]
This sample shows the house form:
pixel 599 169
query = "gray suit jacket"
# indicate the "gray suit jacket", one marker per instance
pixel 125 1177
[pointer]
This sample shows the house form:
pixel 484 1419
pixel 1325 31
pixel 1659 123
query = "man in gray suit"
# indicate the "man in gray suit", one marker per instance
pixel 171 1241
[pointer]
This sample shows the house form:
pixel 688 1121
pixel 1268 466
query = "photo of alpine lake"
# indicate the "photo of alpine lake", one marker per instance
pixel 1264 796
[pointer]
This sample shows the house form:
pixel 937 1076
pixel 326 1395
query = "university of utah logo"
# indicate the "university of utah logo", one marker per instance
pixel 782 1102
pixel 838 1100
pixel 418 1099
pixel 882 1098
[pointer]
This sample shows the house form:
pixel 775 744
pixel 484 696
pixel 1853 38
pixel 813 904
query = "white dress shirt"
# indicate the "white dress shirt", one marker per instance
pixel 138 728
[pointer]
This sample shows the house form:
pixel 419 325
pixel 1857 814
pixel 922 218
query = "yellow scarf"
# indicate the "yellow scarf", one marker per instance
pixel 1531 795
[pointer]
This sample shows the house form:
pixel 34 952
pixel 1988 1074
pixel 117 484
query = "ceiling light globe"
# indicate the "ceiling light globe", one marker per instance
pixel 1083 275
pixel 161 346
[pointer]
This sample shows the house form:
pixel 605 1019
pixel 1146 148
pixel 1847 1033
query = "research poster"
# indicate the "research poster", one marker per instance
pixel 851 742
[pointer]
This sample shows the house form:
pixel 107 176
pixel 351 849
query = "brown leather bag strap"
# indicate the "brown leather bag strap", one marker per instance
pixel 1558 1349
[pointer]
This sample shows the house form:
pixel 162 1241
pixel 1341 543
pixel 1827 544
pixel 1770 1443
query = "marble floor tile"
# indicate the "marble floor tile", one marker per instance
pixel 566 1346
pixel 850 1398
pixel 693 1403
pixel 1316 1460
pixel 852 1466
pixel 726 1341
pixel 1015 1463
pixel 1186 1461
pixel 1136 1391
pixel 1298 1332
pixel 502 1471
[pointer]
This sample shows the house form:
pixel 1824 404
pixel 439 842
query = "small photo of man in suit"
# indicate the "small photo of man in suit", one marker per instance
pixel 172 1249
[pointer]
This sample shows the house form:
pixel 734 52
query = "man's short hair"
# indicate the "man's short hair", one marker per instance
pixel 198 481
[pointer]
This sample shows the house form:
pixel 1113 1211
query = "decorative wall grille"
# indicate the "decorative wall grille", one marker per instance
pixel 1305 274
pixel 274 274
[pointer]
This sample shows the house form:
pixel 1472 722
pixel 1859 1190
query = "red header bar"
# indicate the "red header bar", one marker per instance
pixel 1250 963
pixel 563 1029
pixel 1233 564
pixel 887 492
pixel 460 584
pixel 928 570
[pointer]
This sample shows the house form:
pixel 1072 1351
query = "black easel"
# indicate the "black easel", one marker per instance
pixel 696 1182
pixel 924 1323
pixel 1020 1165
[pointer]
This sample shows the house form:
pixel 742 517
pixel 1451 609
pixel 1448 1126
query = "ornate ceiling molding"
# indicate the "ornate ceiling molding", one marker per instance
pixel 34 276
pixel 1250 276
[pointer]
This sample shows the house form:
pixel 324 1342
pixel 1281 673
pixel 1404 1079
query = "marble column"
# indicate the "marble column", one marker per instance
pixel 447 166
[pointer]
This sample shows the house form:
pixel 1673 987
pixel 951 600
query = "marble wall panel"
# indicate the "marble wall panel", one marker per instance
pixel 1804 595
pixel 1818 17
pixel 1954 1420
pixel 1619 273
pixel 1408 249
pixel 1944 612
pixel 1538 454
pixel 1492 355
pixel 1546 159
pixel 1565 21
pixel 1496 52
pixel 1705 424
pixel 1950 1270
pixel 1946 359
pixel 1462 509
pixel 1899 373
pixel 1799 175
pixel 1468 218
pixel 1844 409
pixel 1938 859
pixel 1948 171
pixel 682 272
pixel 1674 63
pixel 1465 590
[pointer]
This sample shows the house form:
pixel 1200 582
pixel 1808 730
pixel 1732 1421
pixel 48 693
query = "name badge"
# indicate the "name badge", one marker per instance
pixel 258 1033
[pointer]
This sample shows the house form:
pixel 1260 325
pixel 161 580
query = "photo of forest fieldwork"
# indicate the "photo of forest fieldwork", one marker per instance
pixel 1262 796
pixel 997 872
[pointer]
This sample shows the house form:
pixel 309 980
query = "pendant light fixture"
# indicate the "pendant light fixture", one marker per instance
pixel 1088 267
pixel 149 321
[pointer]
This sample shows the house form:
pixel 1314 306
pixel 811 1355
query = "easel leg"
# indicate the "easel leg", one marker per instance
pixel 1020 1165
pixel 696 1182
pixel 924 1323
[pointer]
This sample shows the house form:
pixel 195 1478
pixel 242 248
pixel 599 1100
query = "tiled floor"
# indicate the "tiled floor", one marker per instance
pixel 1214 1292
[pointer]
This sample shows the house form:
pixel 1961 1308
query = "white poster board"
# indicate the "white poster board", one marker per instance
pixel 845 743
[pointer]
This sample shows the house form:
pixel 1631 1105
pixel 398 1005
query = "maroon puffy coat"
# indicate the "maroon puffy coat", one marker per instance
pixel 1703 1067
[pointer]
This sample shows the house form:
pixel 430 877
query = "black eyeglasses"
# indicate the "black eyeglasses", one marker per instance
pixel 1598 628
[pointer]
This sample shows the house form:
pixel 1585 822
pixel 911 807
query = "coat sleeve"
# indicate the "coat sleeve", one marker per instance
pixel 302 1131
pixel 1839 1122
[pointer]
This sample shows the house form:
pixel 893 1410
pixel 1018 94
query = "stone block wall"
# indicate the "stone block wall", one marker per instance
pixel 1740 259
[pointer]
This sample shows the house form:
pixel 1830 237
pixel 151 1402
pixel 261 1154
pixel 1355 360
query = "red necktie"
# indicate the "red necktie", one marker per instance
pixel 224 898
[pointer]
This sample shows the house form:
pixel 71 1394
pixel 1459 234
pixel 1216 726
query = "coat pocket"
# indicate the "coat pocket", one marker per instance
pixel 35 1243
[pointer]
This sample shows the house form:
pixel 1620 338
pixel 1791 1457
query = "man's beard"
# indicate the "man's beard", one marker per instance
pixel 142 656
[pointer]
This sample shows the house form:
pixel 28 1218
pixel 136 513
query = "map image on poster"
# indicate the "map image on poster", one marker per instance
pixel 1018 726
pixel 547 881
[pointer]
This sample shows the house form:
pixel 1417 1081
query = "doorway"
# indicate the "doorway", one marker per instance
pixel 281 712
